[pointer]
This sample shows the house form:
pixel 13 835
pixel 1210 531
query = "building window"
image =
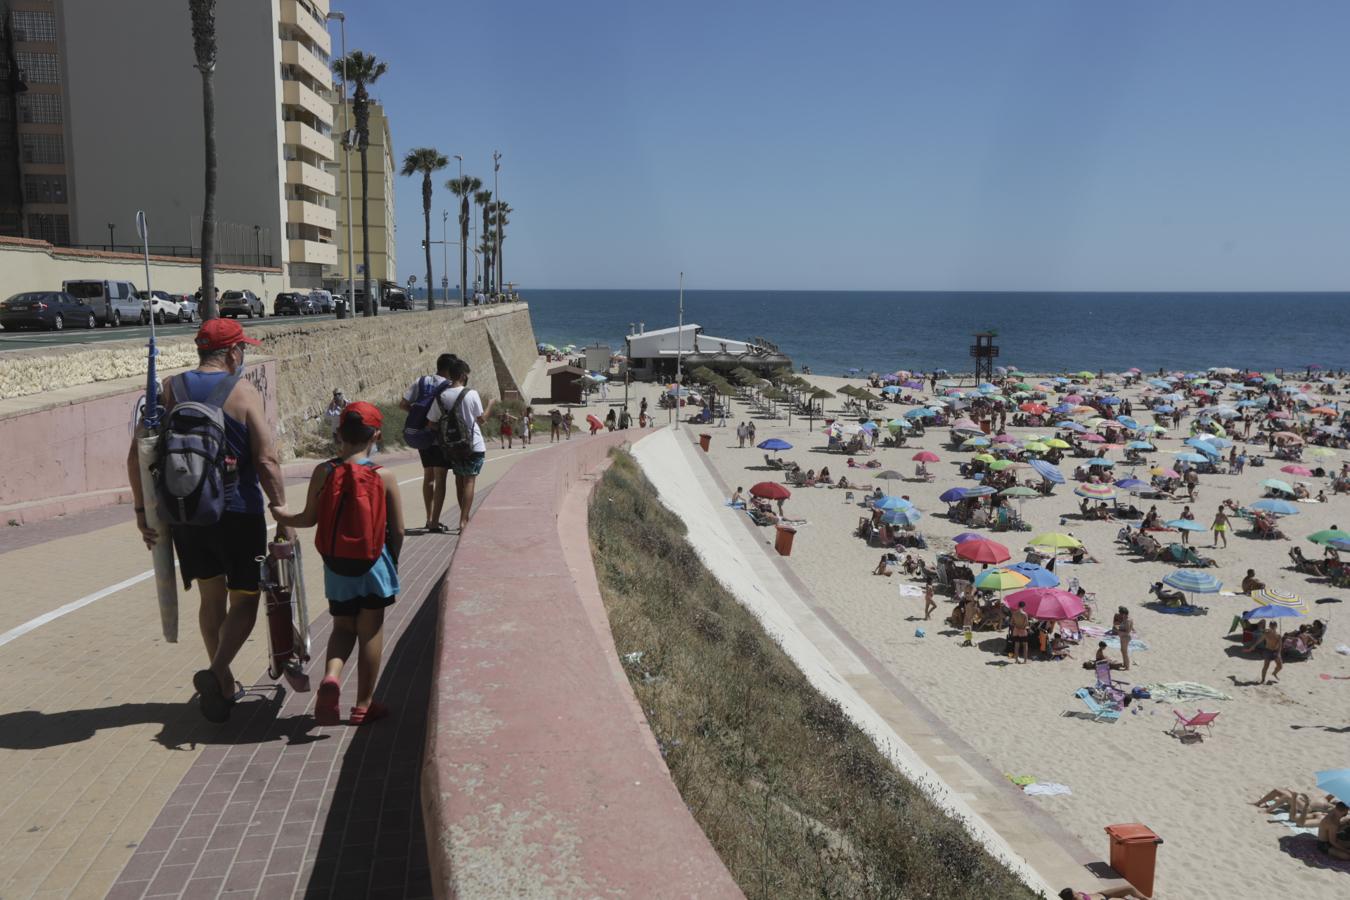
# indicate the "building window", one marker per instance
pixel 33 26
pixel 44 188
pixel 40 109
pixel 43 148
pixel 38 68
pixel 54 229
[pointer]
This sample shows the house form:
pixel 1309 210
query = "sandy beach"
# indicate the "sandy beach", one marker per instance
pixel 1198 795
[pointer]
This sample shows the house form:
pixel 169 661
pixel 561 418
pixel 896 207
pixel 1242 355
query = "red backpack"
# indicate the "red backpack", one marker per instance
pixel 351 518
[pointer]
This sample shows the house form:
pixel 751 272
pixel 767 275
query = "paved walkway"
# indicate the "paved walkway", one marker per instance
pixel 110 781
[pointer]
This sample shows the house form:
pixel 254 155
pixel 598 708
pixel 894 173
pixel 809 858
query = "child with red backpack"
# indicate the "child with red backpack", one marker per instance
pixel 359 515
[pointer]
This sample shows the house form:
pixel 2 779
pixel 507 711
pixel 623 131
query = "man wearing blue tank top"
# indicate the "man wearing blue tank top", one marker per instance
pixel 222 558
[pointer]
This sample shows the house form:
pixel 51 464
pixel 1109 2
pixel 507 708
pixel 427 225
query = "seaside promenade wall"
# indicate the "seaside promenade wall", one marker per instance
pixel 541 777
pixel 65 412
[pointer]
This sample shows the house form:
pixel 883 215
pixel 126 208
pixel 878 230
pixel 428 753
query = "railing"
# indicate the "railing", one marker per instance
pixel 180 250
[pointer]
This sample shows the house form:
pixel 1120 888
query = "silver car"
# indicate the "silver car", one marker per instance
pixel 241 303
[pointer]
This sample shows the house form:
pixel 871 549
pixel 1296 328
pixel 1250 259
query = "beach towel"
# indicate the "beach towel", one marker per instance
pixel 1020 780
pixel 1184 692
pixel 1046 789
pixel 1283 819
pixel 1114 643
pixel 1092 630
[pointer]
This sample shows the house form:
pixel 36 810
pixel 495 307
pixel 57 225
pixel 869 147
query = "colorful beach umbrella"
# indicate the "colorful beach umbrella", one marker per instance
pixel 1278 597
pixel 770 490
pixel 906 516
pixel 1039 576
pixel 983 551
pixel 1057 443
pixel 1193 581
pixel 1001 580
pixel 1047 603
pixel 1096 491
pixel 1326 536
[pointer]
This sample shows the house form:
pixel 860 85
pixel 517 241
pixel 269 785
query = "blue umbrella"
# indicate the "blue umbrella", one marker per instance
pixel 1216 441
pixel 1111 401
pixel 980 491
pixel 1339 543
pixel 968 536
pixel 890 501
pixel 855 370
pixel 1128 422
pixel 1164 409
pixel 1071 426
pixel 1139 445
pixel 1101 463
pixel 920 413
pixel 1335 782
pixel 1040 576
pixel 1047 471
pixel 1186 525
pixel 1062 409
pixel 774 444
pixel 952 495
pixel 901 516
pixel 1272 611
pixel 890 389
pixel 869 426
pixel 1191 458
pixel 1133 484
pixel 1193 581
pixel 1276 506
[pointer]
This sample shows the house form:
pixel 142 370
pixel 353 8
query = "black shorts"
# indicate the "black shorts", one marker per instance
pixel 356 604
pixel 230 547
pixel 1271 655
pixel 433 457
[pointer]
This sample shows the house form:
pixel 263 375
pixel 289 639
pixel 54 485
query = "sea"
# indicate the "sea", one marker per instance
pixel 833 332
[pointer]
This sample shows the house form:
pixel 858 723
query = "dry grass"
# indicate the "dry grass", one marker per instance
pixel 796 799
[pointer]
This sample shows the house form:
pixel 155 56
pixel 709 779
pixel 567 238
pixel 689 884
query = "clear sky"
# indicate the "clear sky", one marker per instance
pixel 960 144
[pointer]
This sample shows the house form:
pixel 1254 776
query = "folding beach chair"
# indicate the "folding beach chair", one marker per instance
pixel 1100 711
pixel 1191 727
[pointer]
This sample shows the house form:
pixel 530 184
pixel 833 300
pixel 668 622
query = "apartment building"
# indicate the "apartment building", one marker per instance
pixel 380 176
pixel 122 130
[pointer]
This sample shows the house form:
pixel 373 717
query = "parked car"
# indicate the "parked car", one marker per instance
pixel 113 302
pixel 291 303
pixel 323 300
pixel 236 303
pixel 396 298
pixel 53 310
pixel 187 304
pixel 166 307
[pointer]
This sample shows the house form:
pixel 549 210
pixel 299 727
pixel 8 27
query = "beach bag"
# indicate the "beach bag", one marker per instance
pixel 190 471
pixel 417 432
pixel 454 438
pixel 351 519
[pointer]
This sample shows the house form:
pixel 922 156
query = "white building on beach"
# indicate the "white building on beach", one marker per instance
pixel 652 354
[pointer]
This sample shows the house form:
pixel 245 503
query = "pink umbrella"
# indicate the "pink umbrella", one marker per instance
pixel 1296 470
pixel 925 456
pixel 1047 603
pixel 1167 473
pixel 1092 438
pixel 1004 439
pixel 1074 398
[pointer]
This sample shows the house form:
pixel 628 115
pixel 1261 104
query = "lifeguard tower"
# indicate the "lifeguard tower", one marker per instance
pixel 984 352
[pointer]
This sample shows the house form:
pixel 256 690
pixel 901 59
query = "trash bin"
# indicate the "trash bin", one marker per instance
pixel 704 440
pixel 783 542
pixel 1134 852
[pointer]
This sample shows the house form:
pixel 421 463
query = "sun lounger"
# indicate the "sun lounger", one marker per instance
pixel 1100 711
pixel 1193 725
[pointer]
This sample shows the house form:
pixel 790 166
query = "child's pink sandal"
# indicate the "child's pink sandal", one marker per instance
pixel 363 714
pixel 326 711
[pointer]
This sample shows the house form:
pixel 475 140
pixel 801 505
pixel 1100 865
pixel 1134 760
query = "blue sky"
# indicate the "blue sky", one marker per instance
pixel 963 144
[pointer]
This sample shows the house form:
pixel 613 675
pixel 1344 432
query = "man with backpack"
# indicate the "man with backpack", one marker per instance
pixel 459 414
pixel 216 460
pixel 419 433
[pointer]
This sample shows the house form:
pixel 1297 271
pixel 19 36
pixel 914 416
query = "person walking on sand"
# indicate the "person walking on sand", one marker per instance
pixel 1021 632
pixel 359 588
pixel 740 436
pixel 222 558
pixel 1272 650
pixel 1220 527
pixel 1123 625
pixel 435 468
pixel 969 608
pixel 465 403
pixel 929 604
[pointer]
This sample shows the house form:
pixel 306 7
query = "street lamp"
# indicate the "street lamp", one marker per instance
pixel 445 257
pixel 257 244
pixel 497 236
pixel 462 205
pixel 112 240
pixel 346 165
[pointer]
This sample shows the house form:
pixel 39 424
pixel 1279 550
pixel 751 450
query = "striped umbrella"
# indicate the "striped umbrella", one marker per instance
pixel 1001 580
pixel 1193 581
pixel 1047 471
pixel 1277 597
pixel 1096 491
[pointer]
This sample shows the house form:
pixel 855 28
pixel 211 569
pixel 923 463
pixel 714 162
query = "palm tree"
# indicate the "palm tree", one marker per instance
pixel 426 160
pixel 204 46
pixel 463 188
pixel 484 199
pixel 362 70
pixel 501 217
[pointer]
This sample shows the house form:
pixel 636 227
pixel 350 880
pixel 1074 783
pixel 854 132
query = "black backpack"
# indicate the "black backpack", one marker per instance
pixel 456 443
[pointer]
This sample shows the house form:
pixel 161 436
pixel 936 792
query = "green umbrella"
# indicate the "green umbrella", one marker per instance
pixel 1328 535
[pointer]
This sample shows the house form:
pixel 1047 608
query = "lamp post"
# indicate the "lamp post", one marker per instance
pixel 497 236
pixel 445 257
pixel 679 353
pixel 346 165
pixel 112 239
pixel 463 205
pixel 257 245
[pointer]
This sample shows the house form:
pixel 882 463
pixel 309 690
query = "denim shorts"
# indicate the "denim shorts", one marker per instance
pixel 469 466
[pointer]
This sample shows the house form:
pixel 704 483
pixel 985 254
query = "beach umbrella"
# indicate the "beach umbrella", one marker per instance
pixel 1001 580
pixel 1277 597
pixel 774 444
pixel 770 490
pixel 1190 457
pixel 925 456
pixel 952 495
pixel 1040 576
pixel 973 442
pixel 983 551
pixel 922 412
pixel 1057 443
pixel 1047 603
pixel 1339 543
pixel 1276 484
pixel 1004 439
pixel 1092 438
pixel 1296 470
pixel 889 474
pixel 1071 426
pixel 985 458
pixel 1100 462
pixel 1193 581
pixel 895 425
pixel 906 516
pixel 1055 541
pixel 1273 611
pixel 1018 491
pixel 1186 525
pixel 1140 445
pixel 1128 422
pixel 1096 491
pixel 1328 535
pixel 1133 485
pixel 890 501
pixel 1001 464
pixel 1335 782
pixel 1035 446
pixel 1047 471
pixel 1164 472
pixel 1321 452
pixel 968 536
pixel 980 491
pixel 1277 506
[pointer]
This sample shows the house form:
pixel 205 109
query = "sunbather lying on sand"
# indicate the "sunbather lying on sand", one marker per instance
pixel 1127 891
pixel 1303 811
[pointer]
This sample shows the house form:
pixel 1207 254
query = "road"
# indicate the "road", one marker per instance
pixel 28 340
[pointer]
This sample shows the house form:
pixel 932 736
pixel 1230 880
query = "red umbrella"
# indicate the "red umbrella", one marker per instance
pixel 1047 603
pixel 770 490
pixel 983 551
pixel 925 456
pixel 1035 409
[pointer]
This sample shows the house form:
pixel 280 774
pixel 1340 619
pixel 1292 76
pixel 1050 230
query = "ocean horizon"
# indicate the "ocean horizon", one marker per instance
pixel 1040 331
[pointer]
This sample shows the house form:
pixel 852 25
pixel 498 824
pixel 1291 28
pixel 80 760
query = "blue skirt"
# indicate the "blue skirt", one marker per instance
pixel 380 581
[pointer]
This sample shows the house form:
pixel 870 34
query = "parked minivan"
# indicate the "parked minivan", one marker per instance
pixel 112 302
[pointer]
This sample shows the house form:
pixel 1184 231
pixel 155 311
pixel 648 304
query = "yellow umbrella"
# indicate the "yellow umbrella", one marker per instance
pixel 1036 446
pixel 1057 444
pixel 1055 540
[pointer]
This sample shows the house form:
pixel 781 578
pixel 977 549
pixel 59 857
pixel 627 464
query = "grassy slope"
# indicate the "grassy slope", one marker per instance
pixel 796 799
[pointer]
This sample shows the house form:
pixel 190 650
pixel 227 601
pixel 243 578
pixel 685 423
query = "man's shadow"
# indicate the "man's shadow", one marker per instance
pixel 252 720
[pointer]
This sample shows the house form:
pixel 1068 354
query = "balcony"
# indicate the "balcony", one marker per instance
pixel 313 252
pixel 300 212
pixel 297 54
pixel 311 177
pixel 292 13
pixel 298 134
pixel 293 93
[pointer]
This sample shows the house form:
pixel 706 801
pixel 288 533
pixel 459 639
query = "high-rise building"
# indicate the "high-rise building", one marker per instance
pixel 380 177
pixel 127 100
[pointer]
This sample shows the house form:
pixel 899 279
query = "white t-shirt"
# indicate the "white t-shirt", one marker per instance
pixel 415 389
pixel 468 413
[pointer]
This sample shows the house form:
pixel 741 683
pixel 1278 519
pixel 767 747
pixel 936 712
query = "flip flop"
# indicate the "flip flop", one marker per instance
pixel 326 710
pixel 214 705
pixel 363 714
pixel 438 528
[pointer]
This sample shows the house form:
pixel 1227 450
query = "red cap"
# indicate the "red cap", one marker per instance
pixel 369 415
pixel 217 334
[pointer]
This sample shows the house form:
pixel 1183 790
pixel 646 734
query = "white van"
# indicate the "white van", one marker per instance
pixel 112 302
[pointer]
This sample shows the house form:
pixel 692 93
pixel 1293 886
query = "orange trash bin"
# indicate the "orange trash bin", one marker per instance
pixel 704 440
pixel 783 542
pixel 1134 854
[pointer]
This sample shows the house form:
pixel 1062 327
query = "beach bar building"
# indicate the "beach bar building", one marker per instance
pixel 652 354
pixel 565 384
